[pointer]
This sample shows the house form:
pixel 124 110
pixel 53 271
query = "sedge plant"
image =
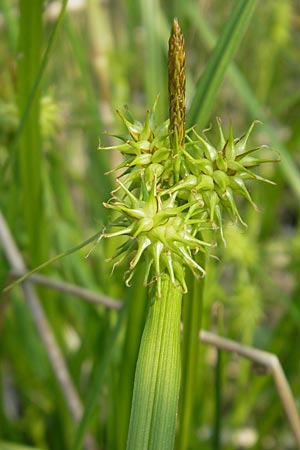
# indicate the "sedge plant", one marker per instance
pixel 173 194
pixel 169 206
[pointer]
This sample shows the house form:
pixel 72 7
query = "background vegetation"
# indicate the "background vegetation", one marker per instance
pixel 104 55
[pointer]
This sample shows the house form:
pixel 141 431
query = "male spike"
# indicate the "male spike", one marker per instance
pixel 176 85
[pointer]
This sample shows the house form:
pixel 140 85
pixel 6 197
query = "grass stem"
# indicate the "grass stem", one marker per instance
pixel 157 377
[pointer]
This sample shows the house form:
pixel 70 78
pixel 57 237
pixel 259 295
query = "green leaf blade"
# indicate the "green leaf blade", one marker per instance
pixel 210 81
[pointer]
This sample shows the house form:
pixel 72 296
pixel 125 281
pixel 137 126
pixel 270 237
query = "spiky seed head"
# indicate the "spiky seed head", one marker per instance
pixel 175 186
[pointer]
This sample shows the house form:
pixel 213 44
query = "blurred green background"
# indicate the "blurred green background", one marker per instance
pixel 100 56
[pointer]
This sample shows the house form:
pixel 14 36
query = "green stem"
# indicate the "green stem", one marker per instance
pixel 10 24
pixel 157 378
pixel 216 435
pixel 137 310
pixel 32 93
pixel 218 402
pixel 192 315
pixel 30 146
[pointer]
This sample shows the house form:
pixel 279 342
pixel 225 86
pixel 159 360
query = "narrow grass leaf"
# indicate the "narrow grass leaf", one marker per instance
pixel 99 162
pixel 10 23
pixel 28 102
pixel 218 403
pixel 154 66
pixel 30 146
pixel 52 260
pixel 209 83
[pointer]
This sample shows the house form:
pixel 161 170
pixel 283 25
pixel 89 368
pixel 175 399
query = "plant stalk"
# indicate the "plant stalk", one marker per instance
pixel 157 378
pixel 192 315
pixel 29 163
pixel 136 315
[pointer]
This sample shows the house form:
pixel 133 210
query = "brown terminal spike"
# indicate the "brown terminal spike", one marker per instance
pixel 176 84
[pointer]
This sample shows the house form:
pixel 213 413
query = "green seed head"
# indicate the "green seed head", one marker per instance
pixel 175 185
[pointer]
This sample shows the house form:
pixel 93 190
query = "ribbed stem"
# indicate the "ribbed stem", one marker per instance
pixel 157 377
pixel 136 315
pixel 192 314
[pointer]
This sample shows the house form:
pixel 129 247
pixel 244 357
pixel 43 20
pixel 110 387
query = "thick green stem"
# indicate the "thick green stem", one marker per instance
pixel 192 314
pixel 157 377
pixel 137 310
